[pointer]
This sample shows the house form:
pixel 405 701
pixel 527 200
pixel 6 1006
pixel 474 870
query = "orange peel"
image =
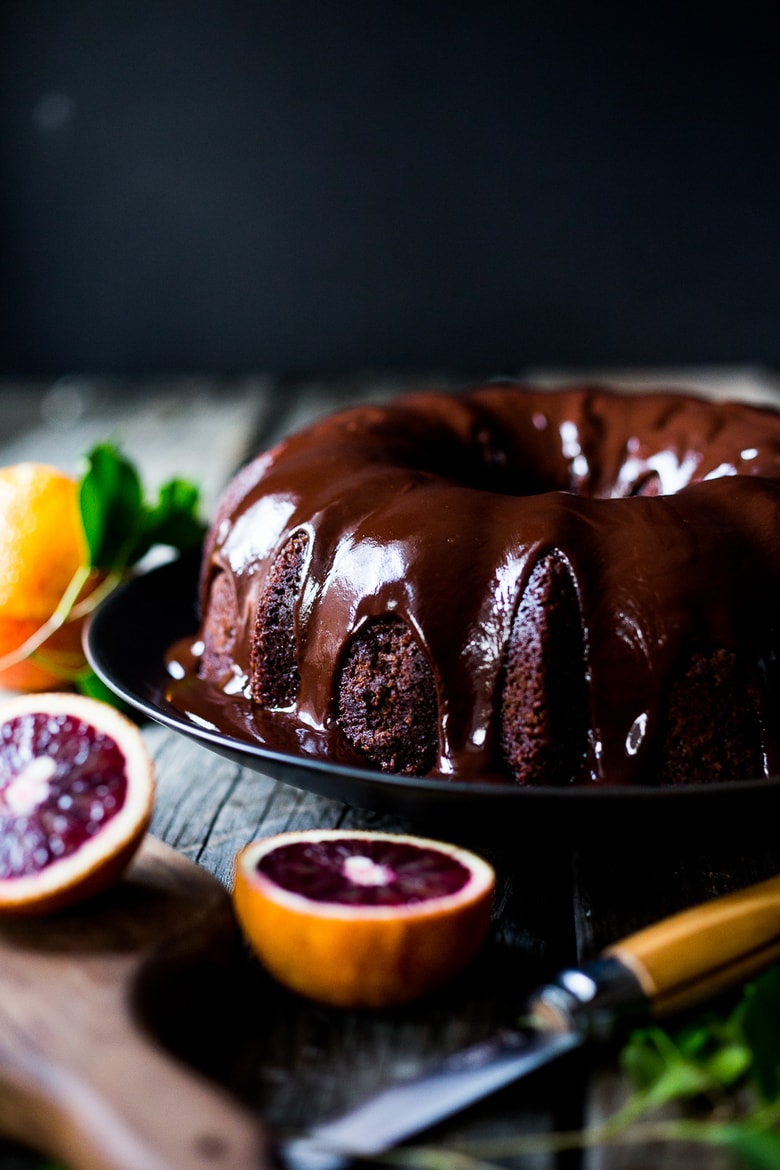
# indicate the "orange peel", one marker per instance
pixel 348 952
pixel 76 797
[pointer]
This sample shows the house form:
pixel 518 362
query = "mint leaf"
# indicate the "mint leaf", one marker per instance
pixel 119 529
pixel 112 511
pixel 119 525
pixel 726 1057
pixel 173 521
pixel 755 1148
pixel 716 1044
pixel 758 1017
pixel 669 1068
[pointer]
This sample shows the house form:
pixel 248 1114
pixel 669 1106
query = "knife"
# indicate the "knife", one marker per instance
pixel 665 968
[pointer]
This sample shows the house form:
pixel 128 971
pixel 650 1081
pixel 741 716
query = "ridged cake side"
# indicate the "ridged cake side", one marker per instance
pixel 553 586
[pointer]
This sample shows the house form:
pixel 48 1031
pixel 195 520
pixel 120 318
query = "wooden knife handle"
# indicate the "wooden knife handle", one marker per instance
pixel 701 952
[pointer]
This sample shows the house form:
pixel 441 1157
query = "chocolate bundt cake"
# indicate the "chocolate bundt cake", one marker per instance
pixel 554 586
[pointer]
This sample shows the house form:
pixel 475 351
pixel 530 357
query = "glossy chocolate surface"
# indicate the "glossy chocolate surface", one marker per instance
pixel 437 507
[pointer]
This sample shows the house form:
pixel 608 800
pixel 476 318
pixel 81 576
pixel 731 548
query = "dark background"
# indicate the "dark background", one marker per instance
pixel 225 186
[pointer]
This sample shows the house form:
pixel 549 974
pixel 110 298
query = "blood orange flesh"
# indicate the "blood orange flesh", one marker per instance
pixel 356 871
pixel 362 919
pixel 76 790
pixel 61 780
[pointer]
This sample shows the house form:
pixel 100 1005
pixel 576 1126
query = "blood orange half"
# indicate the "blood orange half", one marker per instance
pixel 362 919
pixel 76 795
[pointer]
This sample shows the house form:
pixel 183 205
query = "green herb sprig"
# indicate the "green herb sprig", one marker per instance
pixel 714 1080
pixel 121 527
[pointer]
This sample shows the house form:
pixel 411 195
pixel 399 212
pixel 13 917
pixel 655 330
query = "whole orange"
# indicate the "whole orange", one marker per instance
pixel 42 547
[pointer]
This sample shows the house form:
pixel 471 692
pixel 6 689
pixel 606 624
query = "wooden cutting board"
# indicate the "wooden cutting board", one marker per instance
pixel 81 1077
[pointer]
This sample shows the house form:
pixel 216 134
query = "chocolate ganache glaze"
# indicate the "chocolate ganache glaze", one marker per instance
pixel 545 586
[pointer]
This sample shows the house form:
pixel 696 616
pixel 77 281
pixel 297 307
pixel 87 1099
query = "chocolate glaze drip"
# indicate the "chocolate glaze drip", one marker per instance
pixel 436 509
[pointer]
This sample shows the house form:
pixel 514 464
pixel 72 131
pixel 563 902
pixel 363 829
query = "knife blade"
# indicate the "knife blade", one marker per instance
pixel 667 967
pixel 412 1106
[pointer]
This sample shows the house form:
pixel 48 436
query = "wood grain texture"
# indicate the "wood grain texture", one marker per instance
pixel 81 1077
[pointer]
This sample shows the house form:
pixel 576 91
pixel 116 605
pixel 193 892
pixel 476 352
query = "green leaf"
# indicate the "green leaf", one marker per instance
pixel 717 1045
pixel 112 510
pixel 758 1016
pixel 174 520
pixel 756 1148
pixel 89 684
pixel 120 527
pixel 705 1057
pixel 644 1056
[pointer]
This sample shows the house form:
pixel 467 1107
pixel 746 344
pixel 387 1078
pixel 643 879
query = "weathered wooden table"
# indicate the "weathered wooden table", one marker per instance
pixel 565 889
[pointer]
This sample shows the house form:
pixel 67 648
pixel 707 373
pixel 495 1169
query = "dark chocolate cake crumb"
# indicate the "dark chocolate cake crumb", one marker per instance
pixel 544 703
pixel 711 729
pixel 387 699
pixel 219 634
pixel 274 662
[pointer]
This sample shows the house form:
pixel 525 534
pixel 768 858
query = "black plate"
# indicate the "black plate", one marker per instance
pixel 126 642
